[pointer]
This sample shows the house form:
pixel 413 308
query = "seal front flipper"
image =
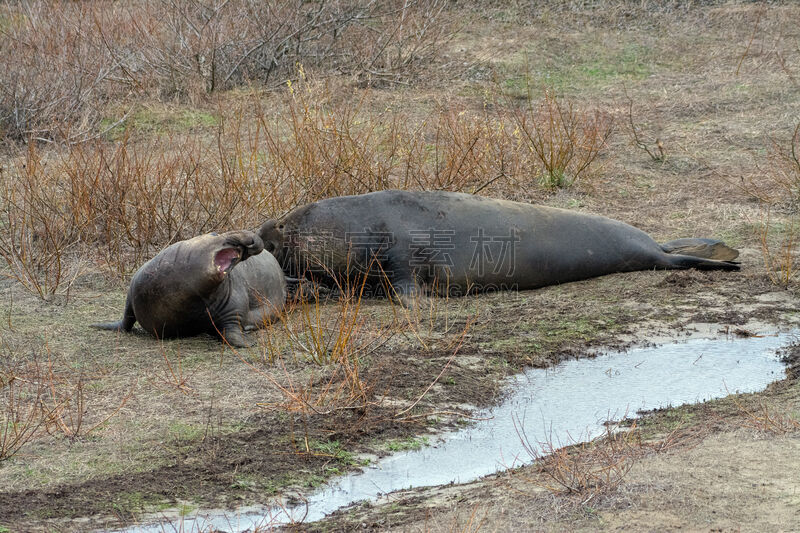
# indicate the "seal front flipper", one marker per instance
pixel 232 334
pixel 125 324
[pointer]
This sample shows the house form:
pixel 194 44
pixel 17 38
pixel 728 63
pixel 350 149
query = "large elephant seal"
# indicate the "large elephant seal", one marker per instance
pixel 214 283
pixel 457 243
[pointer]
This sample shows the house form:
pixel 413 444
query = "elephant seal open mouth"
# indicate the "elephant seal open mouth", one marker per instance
pixel 214 283
pixel 226 259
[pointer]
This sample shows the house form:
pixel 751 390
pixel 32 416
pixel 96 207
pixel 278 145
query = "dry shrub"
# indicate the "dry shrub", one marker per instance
pixel 72 404
pixel 223 43
pixel 124 202
pixel 38 230
pixel 766 418
pixel 779 189
pixel 133 199
pixel 335 341
pixel 63 60
pixel 476 521
pixel 21 413
pixel 586 469
pixel 786 168
pixel 439 322
pixel 172 375
pixel 321 146
pixel 778 184
pixel 656 153
pixel 36 394
pixel 565 140
pixel 55 77
pixel 318 147
pixel 328 338
pixel 335 338
pixel 779 253
pixel 459 150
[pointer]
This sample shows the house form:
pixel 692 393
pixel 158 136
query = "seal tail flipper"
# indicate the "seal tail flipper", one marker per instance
pixel 125 324
pixel 702 248
pixel 679 262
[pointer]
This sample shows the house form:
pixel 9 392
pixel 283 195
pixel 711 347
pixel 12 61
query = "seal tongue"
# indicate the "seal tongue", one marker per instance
pixel 225 258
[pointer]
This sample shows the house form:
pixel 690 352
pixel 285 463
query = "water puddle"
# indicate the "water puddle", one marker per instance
pixel 564 404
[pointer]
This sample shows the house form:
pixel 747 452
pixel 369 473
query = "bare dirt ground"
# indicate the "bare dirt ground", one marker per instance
pixel 192 424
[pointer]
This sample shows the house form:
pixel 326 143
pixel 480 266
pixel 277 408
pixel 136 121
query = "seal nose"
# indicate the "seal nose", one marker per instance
pixel 255 245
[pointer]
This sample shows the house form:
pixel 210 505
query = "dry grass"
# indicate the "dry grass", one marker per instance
pixel 587 469
pixel 766 418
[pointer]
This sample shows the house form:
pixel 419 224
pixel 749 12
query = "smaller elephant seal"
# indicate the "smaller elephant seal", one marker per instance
pixel 454 243
pixel 215 283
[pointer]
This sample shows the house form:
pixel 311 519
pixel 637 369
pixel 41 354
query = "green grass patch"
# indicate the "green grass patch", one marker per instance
pixel 408 443
pixel 571 68
pixel 335 450
pixel 181 431
pixel 662 422
pixel 186 508
pixel 158 122
pixel 130 502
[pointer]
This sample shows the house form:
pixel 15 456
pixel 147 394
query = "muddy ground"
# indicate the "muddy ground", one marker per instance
pixel 190 424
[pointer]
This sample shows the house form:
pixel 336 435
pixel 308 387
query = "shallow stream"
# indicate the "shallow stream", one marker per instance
pixel 562 405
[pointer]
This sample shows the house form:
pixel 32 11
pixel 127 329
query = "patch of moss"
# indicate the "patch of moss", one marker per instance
pixel 546 335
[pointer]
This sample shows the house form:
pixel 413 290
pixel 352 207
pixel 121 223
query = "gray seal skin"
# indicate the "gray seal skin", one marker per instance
pixel 455 243
pixel 213 283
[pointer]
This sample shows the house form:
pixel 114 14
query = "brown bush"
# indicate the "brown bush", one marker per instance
pixel 21 413
pixel 777 187
pixel 117 204
pixel 565 140
pixel 63 60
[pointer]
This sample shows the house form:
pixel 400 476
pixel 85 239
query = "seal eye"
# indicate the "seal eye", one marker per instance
pixel 280 227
